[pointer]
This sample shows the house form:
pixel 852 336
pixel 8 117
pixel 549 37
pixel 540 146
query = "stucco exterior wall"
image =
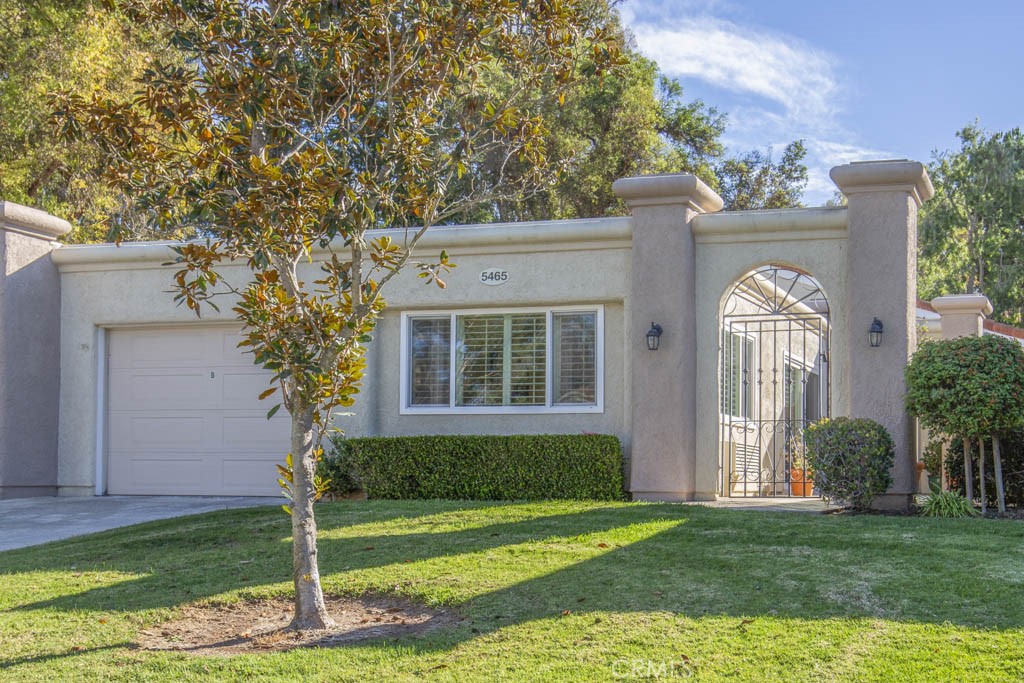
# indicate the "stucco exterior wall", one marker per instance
pixel 673 262
pixel 550 264
pixel 29 361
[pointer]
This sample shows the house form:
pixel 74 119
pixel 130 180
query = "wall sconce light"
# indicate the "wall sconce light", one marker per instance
pixel 875 333
pixel 654 337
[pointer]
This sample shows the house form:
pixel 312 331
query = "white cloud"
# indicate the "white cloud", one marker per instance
pixel 746 61
pixel 776 88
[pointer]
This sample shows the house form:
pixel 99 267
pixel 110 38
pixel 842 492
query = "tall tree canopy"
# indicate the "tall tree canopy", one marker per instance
pixel 296 126
pixel 630 121
pixel 971 235
pixel 73 45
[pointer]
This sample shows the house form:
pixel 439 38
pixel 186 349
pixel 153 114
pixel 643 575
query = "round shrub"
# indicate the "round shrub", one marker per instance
pixel 850 459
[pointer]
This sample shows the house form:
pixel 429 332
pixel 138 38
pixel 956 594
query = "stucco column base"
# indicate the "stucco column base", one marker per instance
pixel 74 491
pixel 893 502
pixel 672 496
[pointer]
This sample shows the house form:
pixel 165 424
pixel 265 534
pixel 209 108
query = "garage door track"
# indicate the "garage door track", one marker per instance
pixel 31 521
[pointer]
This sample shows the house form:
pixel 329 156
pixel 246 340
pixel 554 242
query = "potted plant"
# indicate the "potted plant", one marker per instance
pixel 800 482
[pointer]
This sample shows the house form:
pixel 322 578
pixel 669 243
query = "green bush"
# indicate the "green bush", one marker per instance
pixel 849 459
pixel 1012 455
pixel 338 469
pixel 527 467
pixel 947 504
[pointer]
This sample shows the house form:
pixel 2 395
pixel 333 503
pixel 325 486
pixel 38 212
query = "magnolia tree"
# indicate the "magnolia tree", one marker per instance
pixel 302 125
pixel 969 388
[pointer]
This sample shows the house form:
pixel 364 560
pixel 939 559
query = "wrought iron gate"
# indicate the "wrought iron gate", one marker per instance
pixel 774 381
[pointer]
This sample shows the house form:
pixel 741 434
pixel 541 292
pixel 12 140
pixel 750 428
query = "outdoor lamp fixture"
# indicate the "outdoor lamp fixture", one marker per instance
pixel 875 333
pixel 653 337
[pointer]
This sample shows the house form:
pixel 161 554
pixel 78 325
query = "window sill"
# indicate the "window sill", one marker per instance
pixel 503 410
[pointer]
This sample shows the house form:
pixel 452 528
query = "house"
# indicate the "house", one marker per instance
pixel 108 387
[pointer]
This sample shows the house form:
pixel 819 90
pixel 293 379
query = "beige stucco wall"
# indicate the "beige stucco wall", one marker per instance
pixel 557 263
pixel 29 361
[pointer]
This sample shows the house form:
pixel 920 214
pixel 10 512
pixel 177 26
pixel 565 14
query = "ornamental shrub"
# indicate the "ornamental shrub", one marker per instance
pixel 463 467
pixel 850 459
pixel 947 504
pixel 970 385
pixel 1012 453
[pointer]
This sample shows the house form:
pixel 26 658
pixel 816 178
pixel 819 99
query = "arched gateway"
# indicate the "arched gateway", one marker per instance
pixel 774 380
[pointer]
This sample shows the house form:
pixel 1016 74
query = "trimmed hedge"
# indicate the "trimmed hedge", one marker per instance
pixel 463 467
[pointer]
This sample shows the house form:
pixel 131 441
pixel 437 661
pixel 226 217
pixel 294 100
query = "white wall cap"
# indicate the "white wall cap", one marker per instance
pixel 770 221
pixel 667 189
pixel 449 237
pixel 31 222
pixel 884 176
pixel 963 303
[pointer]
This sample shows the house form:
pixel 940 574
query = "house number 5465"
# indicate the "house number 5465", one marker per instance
pixel 494 276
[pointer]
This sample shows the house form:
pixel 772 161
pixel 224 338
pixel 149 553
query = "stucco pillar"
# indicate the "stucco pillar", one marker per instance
pixel 963 315
pixel 29 351
pixel 883 200
pixel 663 291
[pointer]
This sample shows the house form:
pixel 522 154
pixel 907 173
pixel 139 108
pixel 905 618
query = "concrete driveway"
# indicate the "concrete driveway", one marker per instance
pixel 31 521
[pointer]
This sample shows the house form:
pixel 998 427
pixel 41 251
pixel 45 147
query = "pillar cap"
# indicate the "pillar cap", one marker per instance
pixel 963 303
pixel 894 175
pixel 31 222
pixel 668 189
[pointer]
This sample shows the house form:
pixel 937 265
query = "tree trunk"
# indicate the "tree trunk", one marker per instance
pixel 997 462
pixel 943 479
pixel 968 471
pixel 981 474
pixel 310 610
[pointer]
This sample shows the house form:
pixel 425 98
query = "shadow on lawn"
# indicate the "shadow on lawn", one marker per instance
pixel 706 562
pixel 41 659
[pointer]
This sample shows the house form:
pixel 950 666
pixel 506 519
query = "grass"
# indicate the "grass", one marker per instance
pixel 550 591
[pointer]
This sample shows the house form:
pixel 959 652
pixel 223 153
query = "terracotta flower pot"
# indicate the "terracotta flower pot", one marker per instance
pixel 798 486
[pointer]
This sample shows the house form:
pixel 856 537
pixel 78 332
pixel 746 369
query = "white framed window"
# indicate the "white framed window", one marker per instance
pixel 516 360
pixel 738 375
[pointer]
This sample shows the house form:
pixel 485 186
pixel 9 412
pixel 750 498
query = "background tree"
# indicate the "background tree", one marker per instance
pixel 969 388
pixel 81 47
pixel 297 125
pixel 754 181
pixel 971 235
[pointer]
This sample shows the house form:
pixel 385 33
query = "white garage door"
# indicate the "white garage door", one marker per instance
pixel 183 418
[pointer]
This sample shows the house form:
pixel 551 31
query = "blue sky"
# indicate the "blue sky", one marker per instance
pixel 856 80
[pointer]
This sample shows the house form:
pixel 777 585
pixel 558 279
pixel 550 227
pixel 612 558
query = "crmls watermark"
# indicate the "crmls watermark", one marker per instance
pixel 657 669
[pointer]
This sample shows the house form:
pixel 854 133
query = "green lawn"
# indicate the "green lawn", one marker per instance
pixel 735 595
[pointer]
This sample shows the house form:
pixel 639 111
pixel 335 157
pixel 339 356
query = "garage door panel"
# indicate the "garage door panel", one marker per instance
pixel 230 354
pixel 256 430
pixel 189 423
pixel 154 348
pixel 242 389
pixel 172 474
pixel 164 389
pixel 251 475
pixel 167 432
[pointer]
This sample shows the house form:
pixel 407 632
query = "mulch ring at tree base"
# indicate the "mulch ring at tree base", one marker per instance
pixel 262 625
